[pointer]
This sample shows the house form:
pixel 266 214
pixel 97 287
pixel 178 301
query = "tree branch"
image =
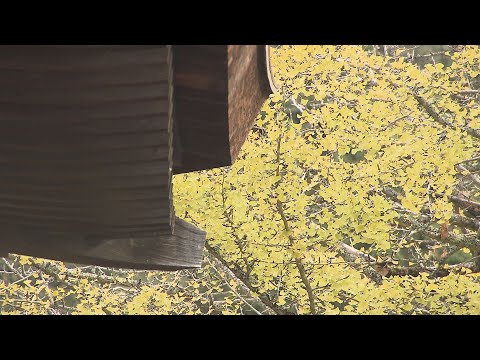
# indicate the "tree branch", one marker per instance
pixel 350 254
pixel 476 158
pixel 436 116
pixel 298 261
pixel 273 308
pixel 230 274
pixel 464 202
pixel 465 222
pixel 470 241
pixel 471 176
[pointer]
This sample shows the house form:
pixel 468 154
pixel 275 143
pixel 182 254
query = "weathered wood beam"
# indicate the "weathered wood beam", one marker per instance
pixel 91 135
pixel 216 102
pixel 180 250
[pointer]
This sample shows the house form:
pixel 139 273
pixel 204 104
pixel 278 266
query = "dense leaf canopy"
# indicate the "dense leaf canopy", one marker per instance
pixel 356 193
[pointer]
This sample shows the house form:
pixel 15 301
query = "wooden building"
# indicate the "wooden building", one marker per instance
pixel 90 137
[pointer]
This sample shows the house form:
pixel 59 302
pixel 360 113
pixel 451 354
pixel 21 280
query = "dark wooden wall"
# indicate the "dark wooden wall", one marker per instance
pixel 248 88
pixel 219 90
pixel 201 107
pixel 86 156
pixel 84 139
pixel 90 137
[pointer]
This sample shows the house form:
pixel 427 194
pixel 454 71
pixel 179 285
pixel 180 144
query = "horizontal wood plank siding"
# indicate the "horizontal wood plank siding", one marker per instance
pixel 90 137
pixel 85 136
pixel 181 250
pixel 217 97
pixel 201 107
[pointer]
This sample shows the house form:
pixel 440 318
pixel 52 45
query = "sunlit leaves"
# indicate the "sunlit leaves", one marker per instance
pixel 363 131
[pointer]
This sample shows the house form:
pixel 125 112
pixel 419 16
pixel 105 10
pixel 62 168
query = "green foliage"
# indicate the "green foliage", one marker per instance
pixel 341 202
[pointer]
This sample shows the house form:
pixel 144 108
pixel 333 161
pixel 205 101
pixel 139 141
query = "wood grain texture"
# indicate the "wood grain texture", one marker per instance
pixel 216 102
pixel 81 120
pixel 201 107
pixel 91 135
pixel 248 88
pixel 181 250
pixel 86 156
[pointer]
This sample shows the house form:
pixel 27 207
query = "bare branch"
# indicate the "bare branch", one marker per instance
pixel 218 264
pixel 471 176
pixel 464 202
pixel 429 55
pixel 350 254
pixel 470 241
pixel 476 158
pixel 468 92
pixel 465 222
pixel 237 276
pixel 436 116
pixel 298 261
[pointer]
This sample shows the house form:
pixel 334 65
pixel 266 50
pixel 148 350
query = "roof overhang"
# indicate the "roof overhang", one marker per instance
pixel 216 102
pixel 90 137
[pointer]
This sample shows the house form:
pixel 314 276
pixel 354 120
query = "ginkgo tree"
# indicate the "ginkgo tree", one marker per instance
pixel 367 201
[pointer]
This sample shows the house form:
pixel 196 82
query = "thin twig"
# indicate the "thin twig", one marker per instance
pixel 436 116
pixel 235 292
pixel 476 158
pixel 471 176
pixel 238 277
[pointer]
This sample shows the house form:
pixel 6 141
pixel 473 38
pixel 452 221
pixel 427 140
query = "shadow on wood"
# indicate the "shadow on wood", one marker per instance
pixel 90 137
pixel 181 250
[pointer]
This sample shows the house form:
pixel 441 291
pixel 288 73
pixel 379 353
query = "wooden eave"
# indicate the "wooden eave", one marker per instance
pixel 216 102
pixel 90 137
